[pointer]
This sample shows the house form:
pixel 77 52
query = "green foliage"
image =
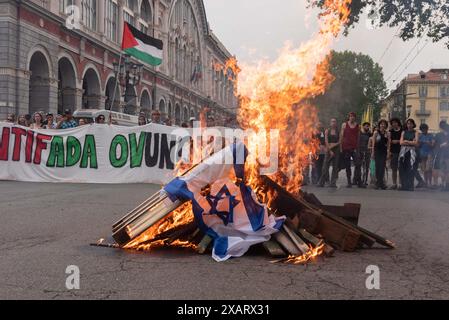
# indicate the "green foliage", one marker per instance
pixel 359 82
pixel 416 18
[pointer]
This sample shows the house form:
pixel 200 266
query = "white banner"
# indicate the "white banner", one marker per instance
pixel 90 154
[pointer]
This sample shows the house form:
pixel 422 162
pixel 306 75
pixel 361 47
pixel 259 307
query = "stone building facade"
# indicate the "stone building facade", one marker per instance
pixel 59 54
pixel 423 97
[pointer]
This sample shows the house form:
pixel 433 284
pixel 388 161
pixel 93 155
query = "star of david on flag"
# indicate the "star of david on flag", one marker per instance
pixel 223 204
pixel 230 213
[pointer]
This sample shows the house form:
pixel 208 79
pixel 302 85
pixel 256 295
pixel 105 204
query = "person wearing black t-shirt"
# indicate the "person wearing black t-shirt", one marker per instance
pixel 381 152
pixel 395 149
pixel 332 140
pixel 364 152
pixel 319 161
pixel 408 157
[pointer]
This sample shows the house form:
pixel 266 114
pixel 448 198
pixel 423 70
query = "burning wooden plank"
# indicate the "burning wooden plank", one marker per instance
pixel 316 242
pixel 158 206
pixel 345 235
pixel 302 246
pixel 182 232
pixel 140 220
pixel 349 211
pixel 284 240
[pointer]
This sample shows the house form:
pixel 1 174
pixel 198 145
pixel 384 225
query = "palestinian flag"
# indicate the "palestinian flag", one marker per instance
pixel 141 46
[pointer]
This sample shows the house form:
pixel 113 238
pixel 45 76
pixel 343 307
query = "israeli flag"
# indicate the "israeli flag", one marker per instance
pixel 229 213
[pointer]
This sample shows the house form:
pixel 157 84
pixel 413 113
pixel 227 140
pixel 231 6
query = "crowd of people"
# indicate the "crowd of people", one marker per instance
pixel 42 120
pixel 370 155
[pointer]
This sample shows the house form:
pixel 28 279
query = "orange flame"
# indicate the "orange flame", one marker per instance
pixel 182 216
pixel 312 254
pixel 274 95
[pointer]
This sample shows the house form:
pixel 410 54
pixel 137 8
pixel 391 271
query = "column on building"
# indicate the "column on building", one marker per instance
pixel 121 19
pixel 100 17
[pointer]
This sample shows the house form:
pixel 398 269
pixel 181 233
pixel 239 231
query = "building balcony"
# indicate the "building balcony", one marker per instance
pixel 423 113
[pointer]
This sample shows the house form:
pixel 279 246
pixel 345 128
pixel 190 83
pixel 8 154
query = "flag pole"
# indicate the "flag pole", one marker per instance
pixel 115 87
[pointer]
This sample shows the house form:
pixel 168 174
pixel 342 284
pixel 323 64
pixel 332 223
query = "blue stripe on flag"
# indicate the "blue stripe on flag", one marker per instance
pixel 178 190
pixel 255 211
pixel 279 223
pixel 221 247
pixel 240 153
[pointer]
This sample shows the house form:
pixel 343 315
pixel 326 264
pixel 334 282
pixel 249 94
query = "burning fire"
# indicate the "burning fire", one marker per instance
pixel 150 239
pixel 312 254
pixel 275 95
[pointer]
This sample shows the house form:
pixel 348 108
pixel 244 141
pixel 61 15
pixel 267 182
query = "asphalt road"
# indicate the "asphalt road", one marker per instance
pixel 46 227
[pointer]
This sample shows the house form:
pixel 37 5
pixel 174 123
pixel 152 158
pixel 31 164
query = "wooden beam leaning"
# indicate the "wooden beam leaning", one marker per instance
pixel 284 240
pixel 302 246
pixel 274 249
pixel 320 220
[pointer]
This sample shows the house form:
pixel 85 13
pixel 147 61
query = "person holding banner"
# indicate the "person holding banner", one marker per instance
pixel 22 121
pixel 156 117
pixel 101 119
pixel 11 118
pixel 67 121
pixel 51 124
pixel 142 120
pixel 38 122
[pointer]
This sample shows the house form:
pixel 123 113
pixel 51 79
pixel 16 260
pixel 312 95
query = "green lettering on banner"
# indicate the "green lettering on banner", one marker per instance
pixel 123 158
pixel 89 153
pixel 56 155
pixel 136 149
pixel 73 151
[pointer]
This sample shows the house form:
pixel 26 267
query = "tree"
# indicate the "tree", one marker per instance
pixel 416 18
pixel 359 82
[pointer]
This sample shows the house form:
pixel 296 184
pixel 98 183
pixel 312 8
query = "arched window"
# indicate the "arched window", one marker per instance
pixel 178 114
pixel 176 57
pixel 131 4
pixel 186 114
pixel 183 24
pixel 146 18
pixel 89 13
pixel 111 20
pixel 128 11
pixel 184 64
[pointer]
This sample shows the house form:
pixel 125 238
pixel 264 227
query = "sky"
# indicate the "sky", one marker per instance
pixel 254 29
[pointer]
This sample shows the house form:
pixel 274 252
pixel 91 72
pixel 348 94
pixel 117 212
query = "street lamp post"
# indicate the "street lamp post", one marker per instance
pixel 127 74
pixel 405 108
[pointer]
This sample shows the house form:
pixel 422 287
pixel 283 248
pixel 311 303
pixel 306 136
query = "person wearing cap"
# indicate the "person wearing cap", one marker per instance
pixel 349 138
pixel 50 123
pixel 67 121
